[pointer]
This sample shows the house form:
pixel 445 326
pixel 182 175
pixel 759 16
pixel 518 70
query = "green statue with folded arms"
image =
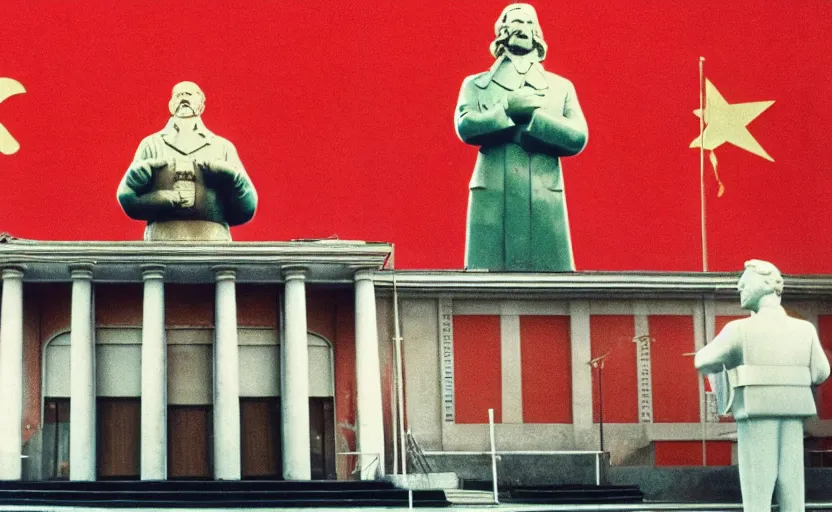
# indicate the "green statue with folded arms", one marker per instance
pixel 524 119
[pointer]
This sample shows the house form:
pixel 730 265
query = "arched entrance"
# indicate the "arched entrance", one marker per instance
pixel 118 411
pixel 260 406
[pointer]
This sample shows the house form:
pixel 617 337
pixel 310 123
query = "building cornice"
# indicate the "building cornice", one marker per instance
pixel 328 260
pixel 336 261
pixel 590 285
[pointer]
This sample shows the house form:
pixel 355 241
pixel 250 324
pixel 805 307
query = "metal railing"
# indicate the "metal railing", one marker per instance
pixel 417 456
pixel 366 464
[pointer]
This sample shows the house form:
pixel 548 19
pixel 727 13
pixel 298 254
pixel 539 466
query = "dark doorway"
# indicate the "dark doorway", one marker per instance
pixel 260 438
pixel 322 438
pixel 119 438
pixel 189 441
pixel 55 448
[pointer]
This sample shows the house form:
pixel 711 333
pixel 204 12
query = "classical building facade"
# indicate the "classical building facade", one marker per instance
pixel 277 360
pixel 181 360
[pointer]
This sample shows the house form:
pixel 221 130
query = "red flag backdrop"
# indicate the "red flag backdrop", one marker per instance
pixel 342 113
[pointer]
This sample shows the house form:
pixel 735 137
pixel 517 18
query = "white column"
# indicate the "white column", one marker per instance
pixel 368 378
pixel 82 377
pixel 11 373
pixel 154 376
pixel 226 379
pixel 295 369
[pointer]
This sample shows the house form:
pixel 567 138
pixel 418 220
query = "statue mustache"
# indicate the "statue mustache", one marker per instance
pixel 519 32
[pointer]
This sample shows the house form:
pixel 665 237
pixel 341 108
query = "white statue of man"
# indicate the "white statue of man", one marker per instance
pixel 773 361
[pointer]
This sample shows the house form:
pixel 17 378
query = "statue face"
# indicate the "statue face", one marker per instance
pixel 521 35
pixel 186 100
pixel 752 287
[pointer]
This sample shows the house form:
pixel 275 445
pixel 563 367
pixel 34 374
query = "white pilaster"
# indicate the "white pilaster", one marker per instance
pixel 11 373
pixel 644 365
pixel 295 369
pixel 368 378
pixel 82 444
pixel 226 378
pixel 511 366
pixel 154 376
pixel 581 350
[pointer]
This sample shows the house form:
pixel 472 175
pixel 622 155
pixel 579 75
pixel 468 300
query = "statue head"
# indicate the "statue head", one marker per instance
pixel 761 280
pixel 518 32
pixel 186 100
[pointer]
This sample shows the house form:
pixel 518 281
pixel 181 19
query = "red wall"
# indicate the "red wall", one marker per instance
pixel 689 453
pixel 546 356
pixel 614 334
pixel 675 380
pixel 478 384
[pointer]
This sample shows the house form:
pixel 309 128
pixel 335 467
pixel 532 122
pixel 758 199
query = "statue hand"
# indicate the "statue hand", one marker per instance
pixel 214 170
pixel 216 167
pixel 173 198
pixel 521 105
pixel 150 164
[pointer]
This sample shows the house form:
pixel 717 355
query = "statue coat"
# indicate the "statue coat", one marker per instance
pixel 774 361
pixel 517 217
pixel 230 203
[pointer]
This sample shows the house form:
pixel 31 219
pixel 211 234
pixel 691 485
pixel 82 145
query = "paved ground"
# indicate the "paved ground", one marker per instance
pixel 643 507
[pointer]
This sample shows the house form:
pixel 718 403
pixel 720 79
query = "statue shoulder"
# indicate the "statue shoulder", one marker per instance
pixel 558 81
pixel 803 325
pixel 734 326
pixel 481 80
pixel 225 144
pixel 152 139
pixel 150 147
pixel 221 140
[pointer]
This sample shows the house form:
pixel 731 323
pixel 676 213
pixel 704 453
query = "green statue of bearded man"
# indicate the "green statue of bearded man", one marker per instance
pixel 186 182
pixel 524 119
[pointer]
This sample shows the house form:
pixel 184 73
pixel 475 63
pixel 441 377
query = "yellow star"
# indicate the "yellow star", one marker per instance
pixel 727 123
pixel 8 87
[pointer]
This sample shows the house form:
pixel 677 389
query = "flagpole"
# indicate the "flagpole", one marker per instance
pixel 704 235
pixel 702 161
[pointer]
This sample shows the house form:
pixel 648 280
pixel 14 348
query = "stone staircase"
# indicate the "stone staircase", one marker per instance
pixel 172 494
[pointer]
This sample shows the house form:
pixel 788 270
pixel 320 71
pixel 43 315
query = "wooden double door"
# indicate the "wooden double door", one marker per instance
pixel 189 439
pixel 118 450
pixel 190 450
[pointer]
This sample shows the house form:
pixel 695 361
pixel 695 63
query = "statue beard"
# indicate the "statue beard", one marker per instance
pixel 184 109
pixel 514 48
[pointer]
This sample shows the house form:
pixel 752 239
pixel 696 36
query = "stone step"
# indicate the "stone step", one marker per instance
pixel 469 497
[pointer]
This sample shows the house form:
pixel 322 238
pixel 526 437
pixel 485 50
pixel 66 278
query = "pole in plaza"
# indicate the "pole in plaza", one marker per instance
pixel 598 363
